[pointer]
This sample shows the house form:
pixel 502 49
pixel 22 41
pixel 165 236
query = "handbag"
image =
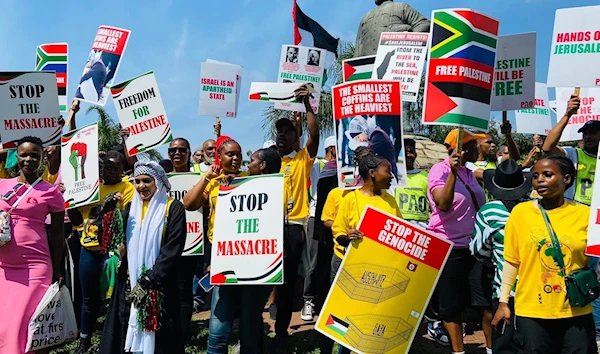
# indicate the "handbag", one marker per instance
pixel 581 285
pixel 5 223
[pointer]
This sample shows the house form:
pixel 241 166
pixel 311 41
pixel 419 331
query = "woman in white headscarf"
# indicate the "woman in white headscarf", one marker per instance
pixel 155 229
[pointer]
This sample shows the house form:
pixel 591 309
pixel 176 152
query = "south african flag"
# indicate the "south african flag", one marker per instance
pixel 460 69
pixel 53 57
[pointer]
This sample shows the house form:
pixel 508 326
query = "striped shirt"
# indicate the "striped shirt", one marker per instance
pixel 487 241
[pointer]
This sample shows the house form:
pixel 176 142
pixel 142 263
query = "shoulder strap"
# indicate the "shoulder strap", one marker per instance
pixel 469 190
pixel 557 255
pixel 24 194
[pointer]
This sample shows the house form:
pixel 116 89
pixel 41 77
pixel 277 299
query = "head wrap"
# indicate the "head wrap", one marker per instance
pixel 220 140
pixel 154 170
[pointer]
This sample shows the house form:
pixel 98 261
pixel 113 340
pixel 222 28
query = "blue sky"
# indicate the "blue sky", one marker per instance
pixel 172 38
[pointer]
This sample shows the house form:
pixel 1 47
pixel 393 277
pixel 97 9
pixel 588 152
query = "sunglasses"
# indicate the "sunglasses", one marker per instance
pixel 177 150
pixel 11 193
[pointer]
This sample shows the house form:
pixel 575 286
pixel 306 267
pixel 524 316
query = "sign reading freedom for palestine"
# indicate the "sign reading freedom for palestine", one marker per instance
pixel 141 112
pixel 575 52
pixel 29 102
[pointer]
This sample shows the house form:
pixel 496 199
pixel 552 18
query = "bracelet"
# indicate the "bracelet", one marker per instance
pixel 206 178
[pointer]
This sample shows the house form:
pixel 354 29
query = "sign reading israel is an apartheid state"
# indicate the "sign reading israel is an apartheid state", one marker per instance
pixel 53 57
pixel 141 112
pixel 575 50
pixel 401 57
pixel 29 107
pixel 514 74
pixel 383 286
pixel 219 89
pixel 460 71
pixel 247 243
pixel 181 183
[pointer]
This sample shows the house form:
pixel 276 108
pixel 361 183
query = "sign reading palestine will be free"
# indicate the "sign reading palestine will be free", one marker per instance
pixel 461 68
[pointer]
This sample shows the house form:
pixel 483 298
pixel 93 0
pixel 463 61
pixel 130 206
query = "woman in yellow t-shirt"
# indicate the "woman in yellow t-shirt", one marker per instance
pixel 548 323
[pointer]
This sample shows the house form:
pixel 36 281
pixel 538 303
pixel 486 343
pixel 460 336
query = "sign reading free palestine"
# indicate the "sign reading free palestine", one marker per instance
pixel 575 52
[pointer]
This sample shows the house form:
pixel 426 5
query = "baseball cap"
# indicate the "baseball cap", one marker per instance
pixel 330 141
pixel 452 138
pixel 268 144
pixel 593 125
pixel 283 123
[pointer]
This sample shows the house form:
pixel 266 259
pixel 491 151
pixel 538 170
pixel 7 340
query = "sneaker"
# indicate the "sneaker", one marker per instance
pixel 84 345
pixel 436 331
pixel 308 311
pixel 273 312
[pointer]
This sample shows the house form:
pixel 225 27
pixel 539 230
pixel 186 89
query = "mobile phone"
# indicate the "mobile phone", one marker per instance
pixel 205 283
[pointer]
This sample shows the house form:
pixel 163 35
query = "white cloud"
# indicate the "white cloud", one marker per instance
pixel 182 40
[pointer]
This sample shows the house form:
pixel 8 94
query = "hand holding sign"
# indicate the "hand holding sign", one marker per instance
pixel 573 105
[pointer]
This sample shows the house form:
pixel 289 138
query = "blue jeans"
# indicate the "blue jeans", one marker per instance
pixel 225 300
pixel 90 269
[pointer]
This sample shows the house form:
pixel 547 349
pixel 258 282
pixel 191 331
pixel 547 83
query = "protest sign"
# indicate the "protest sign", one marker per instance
pixel 274 92
pixel 367 113
pixel 238 84
pixel 575 50
pixel 593 241
pixel 535 120
pixel 460 70
pixel 248 233
pixel 141 111
pixel 401 57
pixel 552 105
pixel 514 74
pixel 80 175
pixel 54 57
pixel 102 65
pixel 383 286
pixel 219 89
pixel 302 65
pixel 29 107
pixel 588 110
pixel 181 183
pixel 360 68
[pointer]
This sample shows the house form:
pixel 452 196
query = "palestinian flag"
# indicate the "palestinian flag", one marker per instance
pixel 53 57
pixel 338 326
pixel 460 71
pixel 358 68
pixel 308 33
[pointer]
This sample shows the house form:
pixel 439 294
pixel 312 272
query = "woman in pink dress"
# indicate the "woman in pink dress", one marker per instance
pixel 28 262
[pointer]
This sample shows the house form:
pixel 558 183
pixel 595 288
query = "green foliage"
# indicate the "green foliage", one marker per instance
pixel 108 134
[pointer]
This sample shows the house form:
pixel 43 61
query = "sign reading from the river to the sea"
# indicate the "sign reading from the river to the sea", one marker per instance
pixel 575 52
pixel 29 107
pixel 141 112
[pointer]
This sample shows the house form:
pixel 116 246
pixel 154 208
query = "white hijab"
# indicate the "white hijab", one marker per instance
pixel 144 239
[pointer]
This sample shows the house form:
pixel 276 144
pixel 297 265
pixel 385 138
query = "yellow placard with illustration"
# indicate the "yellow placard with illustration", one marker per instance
pixel 383 286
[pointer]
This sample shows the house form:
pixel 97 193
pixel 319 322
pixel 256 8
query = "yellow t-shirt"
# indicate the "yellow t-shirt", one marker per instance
pixel 46 176
pixel 354 204
pixel 3 172
pixel 296 170
pixel 144 208
pixel 541 290
pixel 211 192
pixel 330 209
pixel 124 188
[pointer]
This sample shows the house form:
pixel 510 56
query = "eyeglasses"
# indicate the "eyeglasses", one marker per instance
pixel 177 150
pixel 8 195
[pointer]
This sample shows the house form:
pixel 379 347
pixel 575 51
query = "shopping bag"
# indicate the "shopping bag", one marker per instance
pixel 53 322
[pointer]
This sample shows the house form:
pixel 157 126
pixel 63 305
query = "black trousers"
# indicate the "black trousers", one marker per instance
pixel 185 280
pixel 293 243
pixel 576 335
pixel 505 339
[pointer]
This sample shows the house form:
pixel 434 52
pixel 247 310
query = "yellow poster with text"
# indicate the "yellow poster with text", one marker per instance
pixel 383 286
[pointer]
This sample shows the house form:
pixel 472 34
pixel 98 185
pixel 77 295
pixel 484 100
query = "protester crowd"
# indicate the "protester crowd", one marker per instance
pixel 507 221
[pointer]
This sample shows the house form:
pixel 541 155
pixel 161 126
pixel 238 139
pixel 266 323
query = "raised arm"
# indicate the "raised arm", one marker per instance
pixel 513 149
pixel 312 144
pixel 550 145
pixel 195 198
pixel 444 196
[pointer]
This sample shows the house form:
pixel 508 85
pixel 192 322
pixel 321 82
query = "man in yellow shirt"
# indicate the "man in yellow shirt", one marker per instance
pixel 295 166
